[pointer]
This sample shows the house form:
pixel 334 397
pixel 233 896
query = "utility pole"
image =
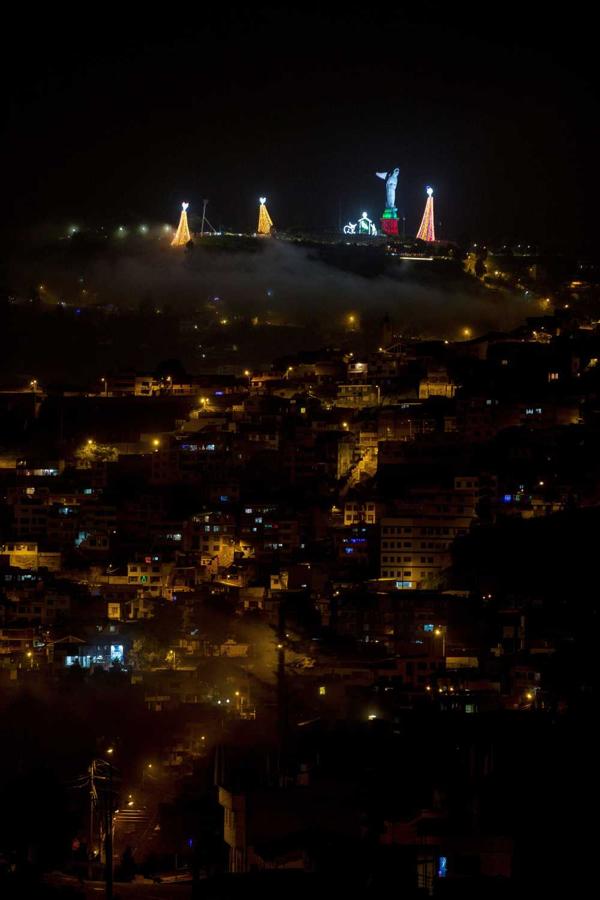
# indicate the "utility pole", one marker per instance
pixel 282 711
pixel 93 798
pixel 100 770
pixel 108 845
pixel 204 202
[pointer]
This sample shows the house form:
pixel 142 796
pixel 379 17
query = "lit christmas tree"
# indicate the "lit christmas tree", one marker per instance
pixel 182 235
pixel 427 230
pixel 265 223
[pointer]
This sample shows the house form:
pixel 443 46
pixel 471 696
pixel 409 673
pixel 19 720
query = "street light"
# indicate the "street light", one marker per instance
pixel 441 632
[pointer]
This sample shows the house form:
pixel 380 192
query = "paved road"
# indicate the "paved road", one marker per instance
pixel 145 890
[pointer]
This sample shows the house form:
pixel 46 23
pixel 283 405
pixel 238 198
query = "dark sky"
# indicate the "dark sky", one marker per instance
pixel 113 118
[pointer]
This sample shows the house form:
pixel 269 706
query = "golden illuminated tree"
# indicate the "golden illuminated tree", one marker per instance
pixel 426 231
pixel 265 223
pixel 182 235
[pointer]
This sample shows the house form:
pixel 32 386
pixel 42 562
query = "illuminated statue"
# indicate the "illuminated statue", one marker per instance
pixel 389 217
pixel 426 231
pixel 350 228
pixel 182 235
pixel 265 223
pixel 391 183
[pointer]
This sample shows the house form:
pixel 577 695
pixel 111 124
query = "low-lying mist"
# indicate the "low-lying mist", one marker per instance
pixel 284 281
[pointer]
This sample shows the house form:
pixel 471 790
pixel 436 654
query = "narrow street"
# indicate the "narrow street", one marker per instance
pixel 142 888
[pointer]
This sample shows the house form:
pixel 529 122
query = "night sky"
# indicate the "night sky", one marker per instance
pixel 112 119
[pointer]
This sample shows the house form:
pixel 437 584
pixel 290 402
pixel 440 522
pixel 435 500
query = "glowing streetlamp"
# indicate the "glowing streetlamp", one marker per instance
pixel 466 332
pixel 441 632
